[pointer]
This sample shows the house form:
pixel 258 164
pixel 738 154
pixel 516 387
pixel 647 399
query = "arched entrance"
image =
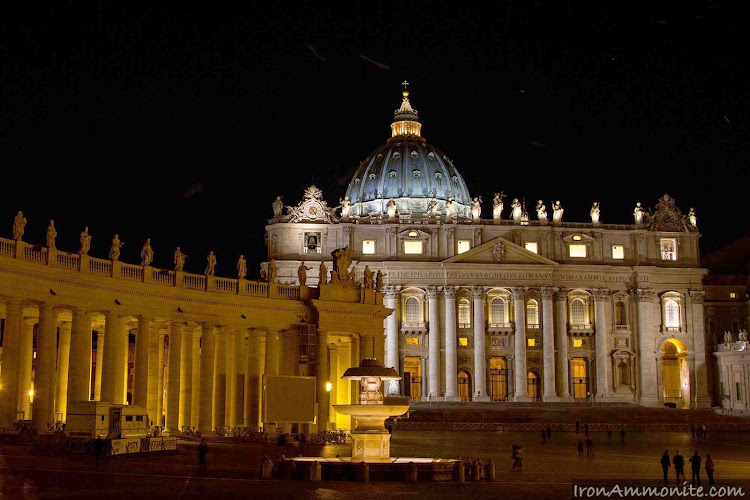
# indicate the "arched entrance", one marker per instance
pixel 675 373
pixel 413 377
pixel 464 385
pixel 498 379
pixel 533 384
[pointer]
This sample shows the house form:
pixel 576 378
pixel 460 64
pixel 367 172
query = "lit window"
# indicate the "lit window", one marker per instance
pixel 577 342
pixel 413 234
pixel 618 252
pixel 732 295
pixel 412 340
pixel 464 246
pixel 463 341
pixel 531 246
pixel 577 312
pixel 464 313
pixel 413 247
pixel 577 250
pixel 497 311
pixel 668 249
pixel 368 247
pixel 412 310
pixel 577 237
pixel 671 314
pixel 531 342
pixel 532 314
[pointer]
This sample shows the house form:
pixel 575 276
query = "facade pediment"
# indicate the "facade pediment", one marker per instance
pixel 499 251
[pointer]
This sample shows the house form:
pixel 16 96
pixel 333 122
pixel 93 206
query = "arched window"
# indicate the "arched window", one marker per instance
pixel 412 311
pixel 671 314
pixel 577 312
pixel 464 313
pixel 620 319
pixel 532 314
pixel 497 311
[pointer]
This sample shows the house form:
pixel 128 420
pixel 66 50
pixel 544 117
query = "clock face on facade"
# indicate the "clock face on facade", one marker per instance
pixel 312 209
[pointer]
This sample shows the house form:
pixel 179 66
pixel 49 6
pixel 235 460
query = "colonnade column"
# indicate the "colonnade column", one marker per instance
pixel 11 345
pixel 99 366
pixel 701 397
pixel 230 392
pixel 433 371
pixel 391 295
pixel 480 361
pixel 322 380
pixel 79 371
pixel 63 363
pixel 425 392
pixel 112 364
pixel 205 409
pixel 173 380
pixel 186 376
pixel 519 340
pixel 159 374
pixel 44 376
pixel 220 379
pixel 253 380
pixel 602 303
pixel 155 342
pixel 548 344
pixel 195 400
pixel 140 377
pixel 272 354
pixel 26 355
pixel 451 347
pixel 562 345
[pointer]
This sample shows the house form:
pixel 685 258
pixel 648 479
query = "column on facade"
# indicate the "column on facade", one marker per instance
pixel 480 361
pixel 79 370
pixel 563 382
pixel 390 300
pixel 273 352
pixel 25 360
pixel 646 356
pixel 10 365
pixel 548 344
pixel 115 348
pixel 173 378
pixel 220 379
pixel 63 363
pixel 451 345
pixel 195 399
pixel 701 396
pixel 433 371
pixel 205 409
pixel 44 375
pixel 155 343
pixel 333 360
pixel 425 392
pixel 322 380
pixel 140 375
pixel 253 379
pixel 186 376
pixel 230 392
pixel 602 304
pixel 519 340
pixel 160 392
pixel 99 365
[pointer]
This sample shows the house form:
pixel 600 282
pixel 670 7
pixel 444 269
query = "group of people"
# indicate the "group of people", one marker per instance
pixel 699 432
pixel 695 466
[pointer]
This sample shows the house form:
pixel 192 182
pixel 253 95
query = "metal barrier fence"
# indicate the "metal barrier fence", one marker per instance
pixel 566 427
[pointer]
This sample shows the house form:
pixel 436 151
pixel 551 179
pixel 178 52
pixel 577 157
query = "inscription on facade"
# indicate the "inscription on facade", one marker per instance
pixel 512 276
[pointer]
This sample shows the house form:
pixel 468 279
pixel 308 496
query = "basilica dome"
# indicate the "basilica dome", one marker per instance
pixel 409 170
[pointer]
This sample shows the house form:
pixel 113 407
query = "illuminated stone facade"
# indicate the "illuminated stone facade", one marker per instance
pixel 510 307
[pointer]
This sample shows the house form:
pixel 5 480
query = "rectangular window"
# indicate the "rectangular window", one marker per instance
pixel 368 247
pixel 463 341
pixel 311 243
pixel 463 246
pixel 577 342
pixel 618 252
pixel 732 295
pixel 412 340
pixel 413 247
pixel 139 418
pixel 531 342
pixel 128 418
pixel 668 249
pixel 577 250
pixel 531 246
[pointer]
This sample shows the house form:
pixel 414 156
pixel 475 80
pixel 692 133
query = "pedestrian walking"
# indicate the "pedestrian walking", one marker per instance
pixel 580 448
pixel 679 463
pixel 516 456
pixel 589 447
pixel 695 466
pixel 544 435
pixel 578 426
pixel 704 428
pixel 665 464
pixel 549 433
pixel 710 470
pixel 622 436
pixel 202 452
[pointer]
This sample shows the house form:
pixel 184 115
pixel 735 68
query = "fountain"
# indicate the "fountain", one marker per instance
pixel 371 441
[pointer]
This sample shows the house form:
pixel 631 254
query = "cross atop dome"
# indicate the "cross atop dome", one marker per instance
pixel 406 118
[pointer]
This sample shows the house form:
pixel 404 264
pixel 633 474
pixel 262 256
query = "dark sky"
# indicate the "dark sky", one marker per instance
pixel 182 120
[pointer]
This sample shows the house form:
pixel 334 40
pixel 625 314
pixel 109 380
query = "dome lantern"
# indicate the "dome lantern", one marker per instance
pixel 406 119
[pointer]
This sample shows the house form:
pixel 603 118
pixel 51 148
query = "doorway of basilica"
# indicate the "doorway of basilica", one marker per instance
pixel 498 379
pixel 675 373
pixel 464 385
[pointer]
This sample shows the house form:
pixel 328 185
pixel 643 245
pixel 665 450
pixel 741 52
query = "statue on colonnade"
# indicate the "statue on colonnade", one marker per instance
pixel 85 240
pixel 342 259
pixel 147 253
pixel 379 281
pixel 302 273
pixel 51 235
pixel 19 224
pixel 241 268
pixel 114 249
pixel 516 210
pixel 497 206
pixel 368 280
pixel 322 274
pixel 541 211
pixel 179 261
pixel 272 271
pixel 638 213
pixel 210 264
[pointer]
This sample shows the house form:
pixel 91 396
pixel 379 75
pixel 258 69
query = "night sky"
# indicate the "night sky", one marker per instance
pixel 181 121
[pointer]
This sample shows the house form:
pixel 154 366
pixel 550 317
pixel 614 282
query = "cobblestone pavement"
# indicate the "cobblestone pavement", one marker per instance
pixel 549 469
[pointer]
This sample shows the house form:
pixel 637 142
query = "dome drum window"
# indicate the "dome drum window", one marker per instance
pixel 396 155
pixel 416 173
pixel 414 155
pixel 392 174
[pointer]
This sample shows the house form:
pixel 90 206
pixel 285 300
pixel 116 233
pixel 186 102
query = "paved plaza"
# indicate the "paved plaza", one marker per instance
pixel 549 469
